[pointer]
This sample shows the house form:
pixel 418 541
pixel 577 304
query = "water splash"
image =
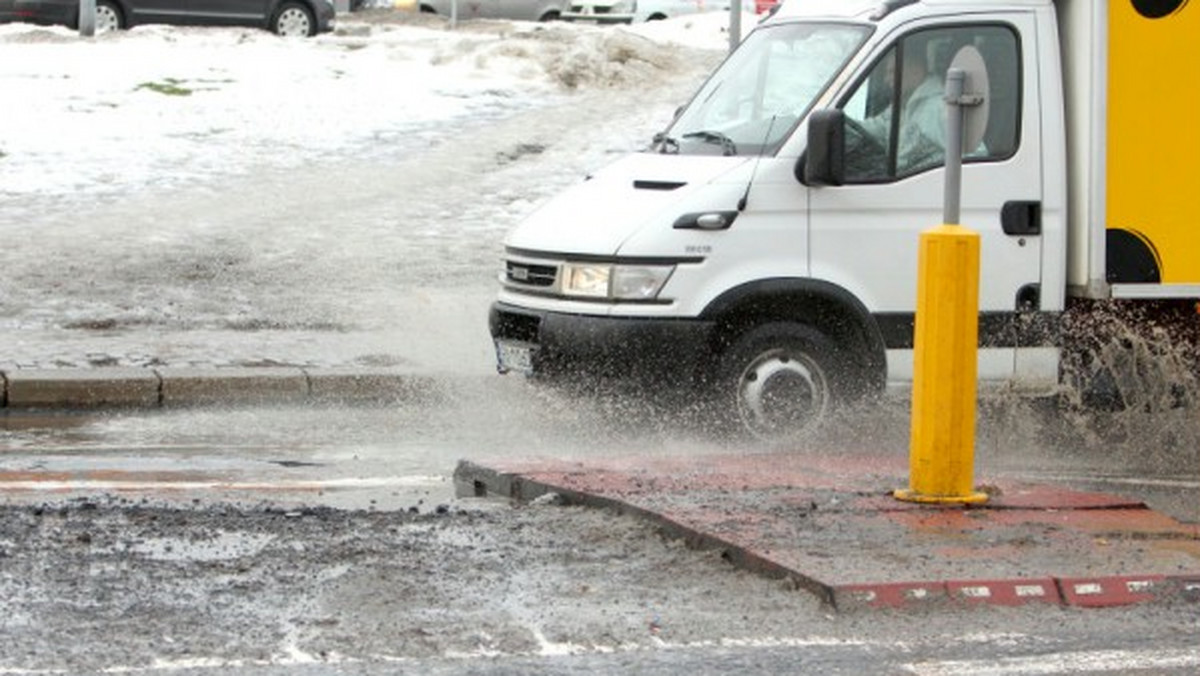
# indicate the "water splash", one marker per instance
pixel 1131 383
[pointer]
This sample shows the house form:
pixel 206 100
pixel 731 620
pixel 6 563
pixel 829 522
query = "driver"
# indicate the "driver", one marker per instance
pixel 922 115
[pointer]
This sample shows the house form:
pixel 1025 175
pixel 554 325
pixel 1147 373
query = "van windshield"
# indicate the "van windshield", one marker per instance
pixel 757 96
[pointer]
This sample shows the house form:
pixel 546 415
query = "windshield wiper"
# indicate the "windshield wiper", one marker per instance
pixel 715 137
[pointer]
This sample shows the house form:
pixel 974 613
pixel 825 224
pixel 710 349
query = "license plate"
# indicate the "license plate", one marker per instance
pixel 514 357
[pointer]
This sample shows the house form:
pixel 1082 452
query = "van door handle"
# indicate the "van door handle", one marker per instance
pixel 1021 219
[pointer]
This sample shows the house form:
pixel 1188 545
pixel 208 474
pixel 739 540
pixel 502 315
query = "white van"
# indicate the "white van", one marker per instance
pixel 764 248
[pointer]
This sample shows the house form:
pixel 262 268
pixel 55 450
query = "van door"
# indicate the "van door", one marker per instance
pixel 864 234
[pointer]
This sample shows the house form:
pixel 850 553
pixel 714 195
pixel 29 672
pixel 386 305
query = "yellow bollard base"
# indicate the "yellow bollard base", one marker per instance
pixel 909 495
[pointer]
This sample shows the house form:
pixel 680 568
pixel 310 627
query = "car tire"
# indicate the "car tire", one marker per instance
pixel 108 17
pixel 780 381
pixel 294 20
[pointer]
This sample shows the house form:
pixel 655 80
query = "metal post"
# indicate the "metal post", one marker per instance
pixel 453 14
pixel 735 24
pixel 87 18
pixel 954 136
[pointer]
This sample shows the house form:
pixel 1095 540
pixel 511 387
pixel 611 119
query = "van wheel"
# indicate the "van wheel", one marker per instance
pixel 294 20
pixel 780 381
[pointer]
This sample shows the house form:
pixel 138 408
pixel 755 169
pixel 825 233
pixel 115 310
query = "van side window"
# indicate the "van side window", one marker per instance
pixel 910 78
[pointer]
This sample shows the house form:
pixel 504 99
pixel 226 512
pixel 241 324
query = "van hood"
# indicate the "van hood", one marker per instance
pixel 597 216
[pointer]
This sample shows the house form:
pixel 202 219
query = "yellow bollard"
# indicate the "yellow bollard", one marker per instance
pixel 946 346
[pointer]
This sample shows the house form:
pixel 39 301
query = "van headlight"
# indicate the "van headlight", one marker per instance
pixel 618 282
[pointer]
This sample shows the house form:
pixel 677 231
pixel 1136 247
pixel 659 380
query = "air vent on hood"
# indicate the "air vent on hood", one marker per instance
pixel 657 185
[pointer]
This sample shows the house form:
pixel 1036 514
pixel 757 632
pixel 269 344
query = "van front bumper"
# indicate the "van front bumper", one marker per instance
pixel 557 343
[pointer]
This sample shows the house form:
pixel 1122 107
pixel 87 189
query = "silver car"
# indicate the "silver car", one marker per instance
pixel 520 10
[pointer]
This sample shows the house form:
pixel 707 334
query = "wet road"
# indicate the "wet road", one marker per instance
pixel 387 457
pixel 396 457
pixel 197 541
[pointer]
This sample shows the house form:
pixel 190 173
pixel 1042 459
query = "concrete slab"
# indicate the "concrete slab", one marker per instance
pixel 67 388
pixel 830 525
pixel 234 386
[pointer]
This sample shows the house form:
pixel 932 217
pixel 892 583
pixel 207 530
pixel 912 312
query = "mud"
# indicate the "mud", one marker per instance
pixel 137 585
pixel 109 585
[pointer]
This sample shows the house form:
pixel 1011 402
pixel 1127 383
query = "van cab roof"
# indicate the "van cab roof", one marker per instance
pixel 873 10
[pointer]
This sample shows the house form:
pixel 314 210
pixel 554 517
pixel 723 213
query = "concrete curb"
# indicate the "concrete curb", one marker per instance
pixel 183 387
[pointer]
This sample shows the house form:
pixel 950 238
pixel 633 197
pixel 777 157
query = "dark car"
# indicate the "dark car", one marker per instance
pixel 282 17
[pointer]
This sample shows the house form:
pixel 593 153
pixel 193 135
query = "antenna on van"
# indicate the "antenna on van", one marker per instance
pixel 741 205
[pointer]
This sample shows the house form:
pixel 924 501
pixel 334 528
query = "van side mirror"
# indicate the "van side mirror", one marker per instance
pixel 825 159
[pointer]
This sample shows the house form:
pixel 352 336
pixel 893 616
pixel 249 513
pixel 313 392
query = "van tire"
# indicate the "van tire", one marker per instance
pixel 780 381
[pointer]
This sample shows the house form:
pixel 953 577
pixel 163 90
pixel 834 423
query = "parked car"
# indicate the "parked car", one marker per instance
pixel 283 17
pixel 520 10
pixel 636 11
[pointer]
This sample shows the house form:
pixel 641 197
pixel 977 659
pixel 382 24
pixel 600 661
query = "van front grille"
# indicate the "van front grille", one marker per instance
pixel 526 274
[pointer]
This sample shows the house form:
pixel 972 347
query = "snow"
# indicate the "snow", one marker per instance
pixel 176 196
pixel 161 104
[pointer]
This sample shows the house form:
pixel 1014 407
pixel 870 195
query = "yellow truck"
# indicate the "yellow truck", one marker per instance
pixel 1139 104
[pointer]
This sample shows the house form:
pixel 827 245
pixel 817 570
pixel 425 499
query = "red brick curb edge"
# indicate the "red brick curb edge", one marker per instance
pixel 1086 592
